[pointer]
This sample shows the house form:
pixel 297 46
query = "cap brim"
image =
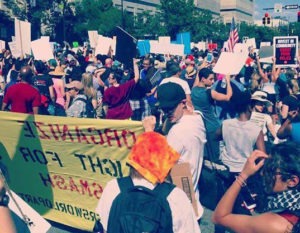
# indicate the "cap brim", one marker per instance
pixel 169 104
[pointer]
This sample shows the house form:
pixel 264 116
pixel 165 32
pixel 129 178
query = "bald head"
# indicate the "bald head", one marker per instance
pixel 26 73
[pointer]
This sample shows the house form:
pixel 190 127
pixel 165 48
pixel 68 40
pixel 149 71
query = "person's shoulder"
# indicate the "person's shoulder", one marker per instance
pixel 112 184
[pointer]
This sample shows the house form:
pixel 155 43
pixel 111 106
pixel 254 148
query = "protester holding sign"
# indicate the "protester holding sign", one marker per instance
pixel 116 97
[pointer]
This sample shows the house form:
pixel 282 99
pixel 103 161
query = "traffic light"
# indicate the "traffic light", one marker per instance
pixel 298 16
pixel 266 19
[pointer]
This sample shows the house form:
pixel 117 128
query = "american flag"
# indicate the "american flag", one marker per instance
pixel 233 36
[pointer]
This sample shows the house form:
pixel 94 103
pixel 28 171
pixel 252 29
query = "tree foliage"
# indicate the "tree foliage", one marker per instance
pixel 97 15
pixel 66 20
pixel 177 15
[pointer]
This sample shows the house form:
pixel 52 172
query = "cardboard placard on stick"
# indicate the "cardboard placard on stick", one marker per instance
pixel 182 178
pixel 230 63
pixel 93 38
pixel 23 36
pixel 41 50
pixel 14 49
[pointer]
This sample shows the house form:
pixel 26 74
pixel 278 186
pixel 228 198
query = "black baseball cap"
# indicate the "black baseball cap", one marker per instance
pixel 169 95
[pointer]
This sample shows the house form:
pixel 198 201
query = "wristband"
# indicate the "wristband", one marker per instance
pixel 240 180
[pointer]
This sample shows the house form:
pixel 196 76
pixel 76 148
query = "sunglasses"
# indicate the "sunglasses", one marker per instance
pixel 69 89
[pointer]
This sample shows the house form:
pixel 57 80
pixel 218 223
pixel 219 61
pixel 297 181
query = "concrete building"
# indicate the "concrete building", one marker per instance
pixel 212 5
pixel 137 6
pixel 241 10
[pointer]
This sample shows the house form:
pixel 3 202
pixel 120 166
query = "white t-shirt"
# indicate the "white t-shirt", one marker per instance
pixel 183 216
pixel 261 120
pixel 188 138
pixel 179 81
pixel 269 87
pixel 239 138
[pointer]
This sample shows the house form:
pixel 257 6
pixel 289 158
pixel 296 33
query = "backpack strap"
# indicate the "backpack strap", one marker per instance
pixel 163 190
pixel 125 183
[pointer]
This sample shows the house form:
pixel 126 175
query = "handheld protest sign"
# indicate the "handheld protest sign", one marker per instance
pixel 230 63
pixel 265 54
pixel 285 50
pixel 126 47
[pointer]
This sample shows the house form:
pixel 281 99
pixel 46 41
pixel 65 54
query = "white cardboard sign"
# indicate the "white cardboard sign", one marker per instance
pixel 164 40
pixel 41 50
pixel 103 45
pixel 23 36
pixel 93 37
pixel 230 63
pixel 251 42
pixel 15 51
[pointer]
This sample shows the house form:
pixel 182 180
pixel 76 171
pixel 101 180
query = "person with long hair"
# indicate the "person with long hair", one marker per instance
pixel 290 102
pixel 88 88
pixel 280 174
pixel 59 89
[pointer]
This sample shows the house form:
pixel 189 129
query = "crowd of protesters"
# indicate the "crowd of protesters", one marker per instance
pixel 193 106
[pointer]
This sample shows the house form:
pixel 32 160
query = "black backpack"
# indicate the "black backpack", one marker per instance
pixel 89 108
pixel 138 209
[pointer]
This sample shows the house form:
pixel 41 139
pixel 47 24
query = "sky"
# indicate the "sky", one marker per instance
pixel 291 15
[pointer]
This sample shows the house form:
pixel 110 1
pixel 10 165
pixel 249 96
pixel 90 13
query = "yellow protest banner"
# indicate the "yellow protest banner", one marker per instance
pixel 60 165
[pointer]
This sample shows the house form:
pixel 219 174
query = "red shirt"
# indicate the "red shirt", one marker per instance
pixel 117 99
pixel 22 97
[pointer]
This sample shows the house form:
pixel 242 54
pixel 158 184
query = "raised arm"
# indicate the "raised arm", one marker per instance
pixel 136 70
pixel 285 129
pixel 223 97
pixel 260 70
pixel 223 213
pixel 275 72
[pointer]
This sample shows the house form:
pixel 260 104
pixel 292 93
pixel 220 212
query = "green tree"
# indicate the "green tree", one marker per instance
pixel 202 25
pixel 177 15
pixel 148 25
pixel 35 14
pixel 97 15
